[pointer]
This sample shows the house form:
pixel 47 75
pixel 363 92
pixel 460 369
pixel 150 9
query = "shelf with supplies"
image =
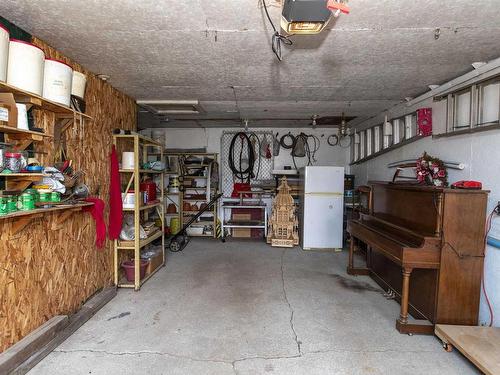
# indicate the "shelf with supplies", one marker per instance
pixel 132 179
pixel 244 223
pixel 25 97
pixel 180 175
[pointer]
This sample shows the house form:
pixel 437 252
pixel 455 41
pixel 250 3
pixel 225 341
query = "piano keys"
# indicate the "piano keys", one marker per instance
pixel 425 246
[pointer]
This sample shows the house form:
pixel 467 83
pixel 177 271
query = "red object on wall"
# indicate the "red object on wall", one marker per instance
pixel 150 188
pixel 241 187
pixel 424 121
pixel 115 198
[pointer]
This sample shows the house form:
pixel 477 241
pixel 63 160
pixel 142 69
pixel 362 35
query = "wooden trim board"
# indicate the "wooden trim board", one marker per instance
pixel 481 345
pixel 26 353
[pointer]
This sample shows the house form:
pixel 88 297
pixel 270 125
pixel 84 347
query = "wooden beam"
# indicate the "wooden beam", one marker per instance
pixel 32 354
pixel 19 352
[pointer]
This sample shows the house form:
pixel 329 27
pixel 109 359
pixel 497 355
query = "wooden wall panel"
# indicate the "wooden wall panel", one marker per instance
pixel 46 272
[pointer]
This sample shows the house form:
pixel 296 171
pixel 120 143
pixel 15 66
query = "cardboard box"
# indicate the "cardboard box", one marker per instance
pixel 242 232
pixel 7 103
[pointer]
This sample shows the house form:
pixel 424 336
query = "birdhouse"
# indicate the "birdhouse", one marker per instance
pixel 283 224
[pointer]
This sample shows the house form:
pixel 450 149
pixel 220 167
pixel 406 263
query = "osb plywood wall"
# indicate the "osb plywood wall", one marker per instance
pixel 46 272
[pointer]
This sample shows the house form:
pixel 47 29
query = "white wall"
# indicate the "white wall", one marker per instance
pixel 210 138
pixel 481 154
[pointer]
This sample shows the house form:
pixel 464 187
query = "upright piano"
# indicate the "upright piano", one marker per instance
pixel 425 246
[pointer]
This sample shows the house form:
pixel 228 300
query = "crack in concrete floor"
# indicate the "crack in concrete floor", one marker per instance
pixel 292 312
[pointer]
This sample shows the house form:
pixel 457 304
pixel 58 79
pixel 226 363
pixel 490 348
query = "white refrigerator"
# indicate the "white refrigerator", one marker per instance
pixel 321 207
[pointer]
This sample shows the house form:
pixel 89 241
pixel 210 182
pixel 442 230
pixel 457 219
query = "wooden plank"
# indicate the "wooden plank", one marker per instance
pixel 38 100
pixel 10 130
pixel 37 211
pixel 36 340
pixel 74 322
pixel 481 345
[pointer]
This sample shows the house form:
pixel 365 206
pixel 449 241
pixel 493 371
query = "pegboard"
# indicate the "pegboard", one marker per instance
pixel 263 174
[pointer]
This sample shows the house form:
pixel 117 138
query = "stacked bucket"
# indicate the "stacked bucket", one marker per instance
pixel 24 66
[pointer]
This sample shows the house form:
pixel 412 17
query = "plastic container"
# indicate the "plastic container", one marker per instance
pixel 129 268
pixel 57 78
pixel 2 158
pixel 4 52
pixel 22 116
pixel 13 161
pixel 128 158
pixel 25 66
pixel 128 199
pixel 79 81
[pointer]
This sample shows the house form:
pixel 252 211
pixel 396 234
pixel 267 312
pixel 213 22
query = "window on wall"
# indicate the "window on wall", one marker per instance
pixel 369 140
pixel 388 134
pixel 377 136
pixel 362 152
pixel 410 125
pixel 488 103
pixel 462 110
pixel 356 147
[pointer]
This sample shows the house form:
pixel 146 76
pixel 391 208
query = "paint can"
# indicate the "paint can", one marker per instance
pixel 128 160
pixel 79 81
pixel 11 203
pixel 25 66
pixel 4 52
pixel 3 206
pixel 57 79
pixel 26 202
pixel 43 196
pixel 55 196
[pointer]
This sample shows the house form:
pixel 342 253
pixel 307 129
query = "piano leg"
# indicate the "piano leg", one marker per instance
pixel 405 294
pixel 350 267
pixel 419 327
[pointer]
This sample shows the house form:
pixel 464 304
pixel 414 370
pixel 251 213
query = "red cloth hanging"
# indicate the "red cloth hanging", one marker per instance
pixel 115 198
pixel 97 212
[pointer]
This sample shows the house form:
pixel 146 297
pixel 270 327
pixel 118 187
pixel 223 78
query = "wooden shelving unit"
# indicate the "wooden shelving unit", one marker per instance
pixel 186 191
pixel 21 139
pixel 139 144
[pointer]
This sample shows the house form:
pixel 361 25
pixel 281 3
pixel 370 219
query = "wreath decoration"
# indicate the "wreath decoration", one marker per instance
pixel 431 171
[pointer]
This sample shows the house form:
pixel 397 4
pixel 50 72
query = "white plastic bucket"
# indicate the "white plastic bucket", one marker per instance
pixel 57 79
pixel 78 85
pixel 128 158
pixel 4 52
pixel 25 66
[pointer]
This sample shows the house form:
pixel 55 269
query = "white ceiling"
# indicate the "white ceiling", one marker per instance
pixel 218 52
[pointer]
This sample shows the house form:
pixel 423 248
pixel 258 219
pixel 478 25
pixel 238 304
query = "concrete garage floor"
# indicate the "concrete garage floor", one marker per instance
pixel 246 308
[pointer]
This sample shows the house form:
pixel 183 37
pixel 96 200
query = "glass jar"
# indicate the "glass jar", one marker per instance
pixel 13 161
